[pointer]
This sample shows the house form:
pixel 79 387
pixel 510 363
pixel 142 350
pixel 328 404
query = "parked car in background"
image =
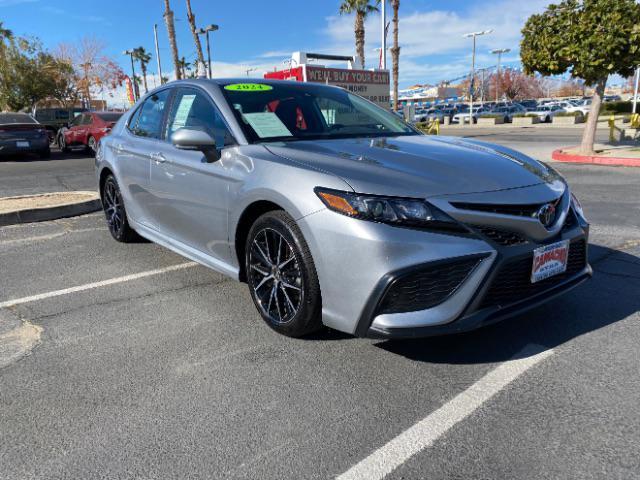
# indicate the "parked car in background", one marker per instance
pixel 21 134
pixel 463 115
pixel 545 112
pixel 506 111
pixel 55 119
pixel 87 129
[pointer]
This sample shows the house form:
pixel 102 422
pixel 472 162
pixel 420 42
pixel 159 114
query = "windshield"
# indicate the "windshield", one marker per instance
pixel 6 118
pixel 110 117
pixel 269 112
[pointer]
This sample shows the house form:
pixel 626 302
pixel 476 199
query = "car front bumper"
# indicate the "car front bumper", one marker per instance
pixel 357 263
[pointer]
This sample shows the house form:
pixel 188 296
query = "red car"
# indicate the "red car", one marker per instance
pixel 87 129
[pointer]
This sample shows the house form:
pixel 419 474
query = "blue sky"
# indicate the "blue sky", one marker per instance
pixel 262 33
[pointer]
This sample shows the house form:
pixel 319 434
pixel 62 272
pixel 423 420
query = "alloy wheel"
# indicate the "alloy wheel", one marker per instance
pixel 113 207
pixel 275 276
pixel 92 144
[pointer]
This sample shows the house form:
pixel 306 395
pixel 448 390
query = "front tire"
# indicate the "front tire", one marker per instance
pixel 115 213
pixel 92 145
pixel 282 276
pixel 62 144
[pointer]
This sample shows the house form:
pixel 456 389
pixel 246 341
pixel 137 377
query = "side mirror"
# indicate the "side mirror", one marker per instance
pixel 196 140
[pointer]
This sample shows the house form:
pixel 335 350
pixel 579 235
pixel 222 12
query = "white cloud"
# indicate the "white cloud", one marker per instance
pixel 432 42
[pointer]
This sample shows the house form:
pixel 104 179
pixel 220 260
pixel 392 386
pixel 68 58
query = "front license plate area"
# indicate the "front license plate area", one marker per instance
pixel 549 261
pixel 22 144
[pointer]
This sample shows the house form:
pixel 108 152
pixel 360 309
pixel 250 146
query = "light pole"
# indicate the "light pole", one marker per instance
pixel 635 90
pixel 205 31
pixel 499 52
pixel 383 51
pixel 249 70
pixel 473 68
pixel 133 74
pixel 155 36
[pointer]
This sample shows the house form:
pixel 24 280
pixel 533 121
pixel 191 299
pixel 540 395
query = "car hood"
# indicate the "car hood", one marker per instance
pixel 418 166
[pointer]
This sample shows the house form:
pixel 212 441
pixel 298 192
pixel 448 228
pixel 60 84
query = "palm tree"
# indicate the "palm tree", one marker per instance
pixel 395 52
pixel 171 31
pixel 183 66
pixel 5 35
pixel 143 58
pixel 196 38
pixel 361 8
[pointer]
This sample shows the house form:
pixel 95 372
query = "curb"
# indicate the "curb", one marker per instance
pixel 560 156
pixel 44 214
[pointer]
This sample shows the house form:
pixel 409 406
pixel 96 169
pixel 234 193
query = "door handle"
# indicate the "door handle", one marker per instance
pixel 158 157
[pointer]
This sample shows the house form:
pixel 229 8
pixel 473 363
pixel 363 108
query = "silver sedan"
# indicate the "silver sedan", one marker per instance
pixel 336 212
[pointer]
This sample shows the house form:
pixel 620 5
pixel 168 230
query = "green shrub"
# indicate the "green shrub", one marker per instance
pixel 616 107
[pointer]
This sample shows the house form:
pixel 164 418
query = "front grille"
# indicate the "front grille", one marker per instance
pixel 501 237
pixel 428 287
pixel 519 210
pixel 513 281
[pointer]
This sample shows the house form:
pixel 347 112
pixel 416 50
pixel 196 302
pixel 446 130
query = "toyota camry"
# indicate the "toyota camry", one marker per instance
pixel 335 212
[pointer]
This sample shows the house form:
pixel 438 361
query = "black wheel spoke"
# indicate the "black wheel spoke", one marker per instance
pixel 275 276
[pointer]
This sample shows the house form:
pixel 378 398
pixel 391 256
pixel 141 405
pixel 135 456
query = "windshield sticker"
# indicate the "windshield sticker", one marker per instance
pixel 182 113
pixel 267 125
pixel 248 87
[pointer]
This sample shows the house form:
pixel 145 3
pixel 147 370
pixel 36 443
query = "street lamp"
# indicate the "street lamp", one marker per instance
pixel 133 73
pixel 473 68
pixel 249 70
pixel 499 52
pixel 205 31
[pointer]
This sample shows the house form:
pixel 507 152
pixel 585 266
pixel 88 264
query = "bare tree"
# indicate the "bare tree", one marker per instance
pixel 171 32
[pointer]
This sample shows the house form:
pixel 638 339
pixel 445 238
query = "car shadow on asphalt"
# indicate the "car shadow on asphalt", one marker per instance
pixel 610 296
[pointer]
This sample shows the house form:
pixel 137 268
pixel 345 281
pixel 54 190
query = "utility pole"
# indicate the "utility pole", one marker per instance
pixel 383 53
pixel 133 74
pixel 155 36
pixel 473 68
pixel 499 52
pixel 635 90
pixel 205 31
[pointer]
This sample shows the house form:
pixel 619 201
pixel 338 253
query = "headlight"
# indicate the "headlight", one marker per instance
pixel 577 206
pixel 406 212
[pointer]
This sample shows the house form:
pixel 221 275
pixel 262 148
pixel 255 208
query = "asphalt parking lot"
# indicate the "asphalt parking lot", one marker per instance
pixel 147 366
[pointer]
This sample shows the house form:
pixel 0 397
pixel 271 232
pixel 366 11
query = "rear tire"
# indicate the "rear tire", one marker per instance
pixel 115 213
pixel 282 277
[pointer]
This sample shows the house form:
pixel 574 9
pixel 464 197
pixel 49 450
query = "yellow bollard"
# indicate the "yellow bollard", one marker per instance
pixel 612 129
pixel 635 120
pixel 434 127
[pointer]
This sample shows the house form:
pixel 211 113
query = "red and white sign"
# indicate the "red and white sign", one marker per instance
pixel 549 260
pixel 370 84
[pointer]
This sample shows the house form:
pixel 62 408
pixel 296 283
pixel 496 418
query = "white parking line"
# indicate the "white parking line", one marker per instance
pixel 90 286
pixel 424 433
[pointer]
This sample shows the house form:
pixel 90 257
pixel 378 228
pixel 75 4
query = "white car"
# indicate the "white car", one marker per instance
pixel 546 112
pixel 463 116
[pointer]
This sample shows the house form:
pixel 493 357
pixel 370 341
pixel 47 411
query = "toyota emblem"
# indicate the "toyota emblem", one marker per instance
pixel 547 214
